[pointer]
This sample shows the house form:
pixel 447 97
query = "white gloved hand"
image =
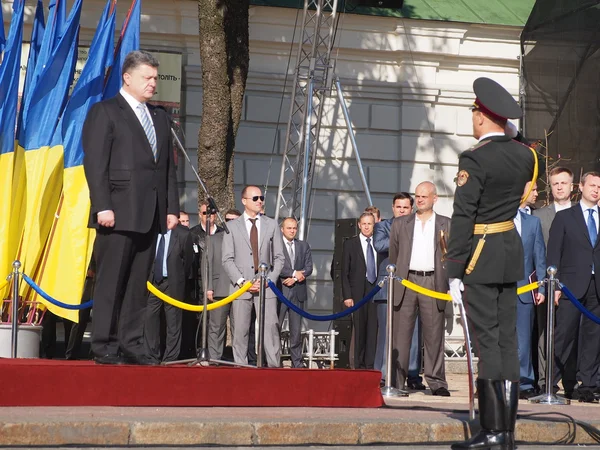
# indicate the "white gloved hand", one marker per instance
pixel 510 129
pixel 456 289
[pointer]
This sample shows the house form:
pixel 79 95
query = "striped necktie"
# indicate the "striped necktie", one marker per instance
pixel 148 128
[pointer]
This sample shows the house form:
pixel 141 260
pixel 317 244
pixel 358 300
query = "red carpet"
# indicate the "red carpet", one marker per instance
pixel 82 383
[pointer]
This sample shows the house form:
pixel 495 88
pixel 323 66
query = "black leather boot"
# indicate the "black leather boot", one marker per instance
pixel 498 401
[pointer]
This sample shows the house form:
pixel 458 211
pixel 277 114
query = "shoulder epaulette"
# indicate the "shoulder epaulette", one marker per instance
pixel 478 145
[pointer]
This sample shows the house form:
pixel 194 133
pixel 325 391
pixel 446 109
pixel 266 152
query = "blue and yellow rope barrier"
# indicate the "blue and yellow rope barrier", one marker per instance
pixel 197 308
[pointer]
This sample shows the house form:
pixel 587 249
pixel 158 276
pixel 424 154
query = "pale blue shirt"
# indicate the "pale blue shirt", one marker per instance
pixel 167 238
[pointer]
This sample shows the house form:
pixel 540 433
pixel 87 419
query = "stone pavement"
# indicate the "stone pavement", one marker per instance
pixel 420 419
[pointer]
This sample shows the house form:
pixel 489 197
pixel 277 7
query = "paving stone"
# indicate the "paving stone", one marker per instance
pixel 394 433
pixel 60 433
pixel 192 433
pixel 289 433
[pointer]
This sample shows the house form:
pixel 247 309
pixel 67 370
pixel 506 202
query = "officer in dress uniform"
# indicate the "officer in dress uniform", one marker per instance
pixel 485 257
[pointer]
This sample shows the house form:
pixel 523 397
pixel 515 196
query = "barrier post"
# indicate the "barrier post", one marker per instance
pixel 388 390
pixel 15 309
pixel 332 348
pixel 262 270
pixel 548 397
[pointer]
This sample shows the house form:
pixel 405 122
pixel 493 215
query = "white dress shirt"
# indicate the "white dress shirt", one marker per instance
pixel 495 133
pixel 134 105
pixel 248 224
pixel 517 221
pixel 363 244
pixel 422 256
pixel 586 214
pixel 558 207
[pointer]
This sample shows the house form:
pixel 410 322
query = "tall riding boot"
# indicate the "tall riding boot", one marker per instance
pixel 511 406
pixel 496 407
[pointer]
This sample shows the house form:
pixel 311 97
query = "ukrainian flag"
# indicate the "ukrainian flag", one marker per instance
pixel 68 251
pixel 129 40
pixel 43 107
pixel 2 35
pixel 9 91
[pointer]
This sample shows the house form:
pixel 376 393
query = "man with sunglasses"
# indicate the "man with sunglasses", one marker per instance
pixel 253 239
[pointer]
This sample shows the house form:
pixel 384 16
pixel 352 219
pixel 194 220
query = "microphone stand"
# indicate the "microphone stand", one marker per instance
pixel 202 354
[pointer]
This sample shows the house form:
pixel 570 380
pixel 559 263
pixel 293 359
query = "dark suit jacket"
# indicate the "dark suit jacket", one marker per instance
pixel 120 168
pixel 303 261
pixel 381 242
pixel 354 269
pixel 571 251
pixel 401 242
pixel 546 215
pixel 535 253
pixel 180 255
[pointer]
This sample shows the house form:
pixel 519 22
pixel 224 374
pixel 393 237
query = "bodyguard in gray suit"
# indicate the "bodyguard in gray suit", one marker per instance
pixel 253 239
pixel 292 282
pixel 217 289
pixel 561 183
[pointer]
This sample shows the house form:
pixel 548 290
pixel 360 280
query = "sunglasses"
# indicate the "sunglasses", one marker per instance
pixel 229 219
pixel 256 197
pixel 204 213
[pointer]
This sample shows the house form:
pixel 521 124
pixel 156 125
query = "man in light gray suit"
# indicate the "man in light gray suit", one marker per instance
pixel 561 183
pixel 217 289
pixel 292 282
pixel 253 239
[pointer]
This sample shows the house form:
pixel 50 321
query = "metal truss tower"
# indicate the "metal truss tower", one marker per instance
pixel 312 81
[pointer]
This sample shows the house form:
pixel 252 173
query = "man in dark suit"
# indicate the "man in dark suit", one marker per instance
pixel 485 257
pixel 292 282
pixel 530 230
pixel 129 166
pixel 417 251
pixel 359 277
pixel 402 205
pixel 561 184
pixel 573 248
pixel 217 289
pixel 191 320
pixel 172 268
pixel 253 239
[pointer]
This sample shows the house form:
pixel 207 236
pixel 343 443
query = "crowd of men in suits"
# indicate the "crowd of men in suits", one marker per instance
pixel 562 233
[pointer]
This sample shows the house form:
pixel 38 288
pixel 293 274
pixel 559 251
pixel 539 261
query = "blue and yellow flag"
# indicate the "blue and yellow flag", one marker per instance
pixel 2 35
pixel 43 157
pixel 9 94
pixel 129 40
pixel 67 254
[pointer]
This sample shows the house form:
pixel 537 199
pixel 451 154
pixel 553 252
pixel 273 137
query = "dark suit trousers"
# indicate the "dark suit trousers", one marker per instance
pixel 73 350
pixel 569 374
pixel 152 328
pixel 492 316
pixel 568 322
pixel 432 326
pixel 217 330
pixel 295 323
pixel 123 262
pixel 364 321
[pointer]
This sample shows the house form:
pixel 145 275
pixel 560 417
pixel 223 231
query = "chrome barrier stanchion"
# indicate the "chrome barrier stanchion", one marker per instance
pixel 388 390
pixel 15 309
pixel 548 397
pixel 262 270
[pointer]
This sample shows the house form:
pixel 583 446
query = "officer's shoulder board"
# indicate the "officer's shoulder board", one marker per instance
pixel 479 145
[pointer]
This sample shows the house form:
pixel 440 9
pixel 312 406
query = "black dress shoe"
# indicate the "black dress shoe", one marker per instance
pixel 108 359
pixel 441 392
pixel 526 394
pixel 415 386
pixel 586 395
pixel 141 360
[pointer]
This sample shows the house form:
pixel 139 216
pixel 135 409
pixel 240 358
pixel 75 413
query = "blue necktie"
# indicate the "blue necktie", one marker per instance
pixel 591 224
pixel 371 272
pixel 148 128
pixel 158 262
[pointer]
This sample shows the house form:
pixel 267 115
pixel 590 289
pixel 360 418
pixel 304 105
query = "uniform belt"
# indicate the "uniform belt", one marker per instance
pixel 421 273
pixel 492 228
